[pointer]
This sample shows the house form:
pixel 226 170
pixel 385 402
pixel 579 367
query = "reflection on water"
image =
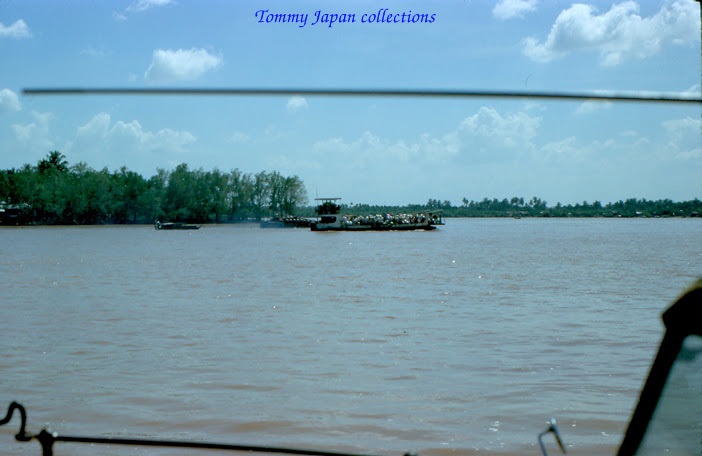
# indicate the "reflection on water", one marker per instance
pixel 463 340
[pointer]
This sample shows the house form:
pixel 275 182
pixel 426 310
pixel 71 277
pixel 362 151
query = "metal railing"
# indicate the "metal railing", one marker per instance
pixel 47 440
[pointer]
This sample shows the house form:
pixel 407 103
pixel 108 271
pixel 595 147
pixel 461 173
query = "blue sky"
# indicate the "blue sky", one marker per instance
pixel 365 150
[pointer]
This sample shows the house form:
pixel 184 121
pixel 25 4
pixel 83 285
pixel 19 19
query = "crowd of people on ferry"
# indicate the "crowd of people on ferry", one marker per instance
pixel 389 219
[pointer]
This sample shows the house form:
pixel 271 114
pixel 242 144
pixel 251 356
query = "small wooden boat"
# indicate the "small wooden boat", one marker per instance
pixel 174 226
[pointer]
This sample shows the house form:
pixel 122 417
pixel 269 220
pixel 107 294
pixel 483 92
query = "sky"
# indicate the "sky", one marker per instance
pixel 370 150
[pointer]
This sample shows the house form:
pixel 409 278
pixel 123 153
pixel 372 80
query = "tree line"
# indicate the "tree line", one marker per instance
pixel 54 192
pixel 536 207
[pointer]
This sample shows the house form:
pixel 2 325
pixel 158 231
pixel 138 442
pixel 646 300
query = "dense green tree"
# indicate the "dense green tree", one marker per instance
pixel 179 194
pixel 151 202
pixel 7 185
pixel 238 195
pixel 126 188
pixel 54 192
pixel 294 194
pixel 275 183
pixel 260 192
pixel 217 194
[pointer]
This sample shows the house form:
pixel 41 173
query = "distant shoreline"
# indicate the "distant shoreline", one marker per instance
pixel 12 223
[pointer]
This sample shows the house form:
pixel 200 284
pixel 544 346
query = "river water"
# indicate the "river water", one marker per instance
pixel 463 341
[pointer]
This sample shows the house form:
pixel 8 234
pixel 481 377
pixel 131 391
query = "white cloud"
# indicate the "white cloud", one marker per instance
pixel 142 5
pixel 114 143
pixel 296 104
pixel 618 34
pixel 590 107
pixel 369 161
pixel 509 9
pixel 628 149
pixel 139 6
pixel 367 151
pixel 489 136
pixel 492 151
pixel 239 138
pixel 510 129
pixel 9 101
pixel 17 30
pixel 35 136
pixel 97 127
pixel 460 158
pixel 102 128
pixel 684 138
pixel 181 65
pixel 564 150
pixel 486 136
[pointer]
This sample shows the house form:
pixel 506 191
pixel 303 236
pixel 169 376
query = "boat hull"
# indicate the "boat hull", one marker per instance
pixel 287 222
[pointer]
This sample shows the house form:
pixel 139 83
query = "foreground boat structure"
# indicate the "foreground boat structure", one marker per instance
pixel 330 218
pixel 174 226
pixel 668 416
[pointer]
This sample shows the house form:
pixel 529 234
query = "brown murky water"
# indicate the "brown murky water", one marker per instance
pixel 460 341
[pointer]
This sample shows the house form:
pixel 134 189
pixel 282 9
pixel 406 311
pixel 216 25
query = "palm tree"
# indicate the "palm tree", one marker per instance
pixel 54 160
